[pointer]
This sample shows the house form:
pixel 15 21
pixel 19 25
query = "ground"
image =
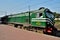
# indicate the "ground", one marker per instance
pixel 10 33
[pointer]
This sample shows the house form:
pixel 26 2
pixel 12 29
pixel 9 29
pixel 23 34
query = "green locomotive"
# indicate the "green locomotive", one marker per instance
pixel 38 18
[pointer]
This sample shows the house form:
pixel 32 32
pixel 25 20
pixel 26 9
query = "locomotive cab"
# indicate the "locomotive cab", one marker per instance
pixel 50 29
pixel 44 18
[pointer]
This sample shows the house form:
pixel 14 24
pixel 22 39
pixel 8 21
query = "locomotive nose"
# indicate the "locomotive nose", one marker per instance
pixel 47 30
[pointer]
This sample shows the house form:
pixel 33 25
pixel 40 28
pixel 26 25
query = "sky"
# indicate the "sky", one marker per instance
pixel 8 7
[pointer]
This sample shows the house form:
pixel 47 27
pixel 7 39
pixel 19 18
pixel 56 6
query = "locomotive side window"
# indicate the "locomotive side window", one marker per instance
pixel 40 14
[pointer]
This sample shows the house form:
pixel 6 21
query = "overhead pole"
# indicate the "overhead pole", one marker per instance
pixel 29 14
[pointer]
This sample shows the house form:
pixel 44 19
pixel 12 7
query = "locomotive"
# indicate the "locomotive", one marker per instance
pixel 37 19
pixel 4 20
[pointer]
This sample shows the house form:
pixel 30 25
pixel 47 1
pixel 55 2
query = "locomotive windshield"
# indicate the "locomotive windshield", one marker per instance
pixel 49 14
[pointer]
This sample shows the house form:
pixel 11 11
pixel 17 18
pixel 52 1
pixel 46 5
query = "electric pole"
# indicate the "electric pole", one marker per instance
pixel 29 15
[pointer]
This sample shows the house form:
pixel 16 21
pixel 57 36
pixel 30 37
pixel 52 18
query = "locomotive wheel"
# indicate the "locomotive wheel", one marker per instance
pixel 24 27
pixel 20 27
pixel 15 25
pixel 36 29
pixel 44 31
pixel 29 28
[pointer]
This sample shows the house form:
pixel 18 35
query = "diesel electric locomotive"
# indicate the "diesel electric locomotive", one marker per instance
pixel 42 18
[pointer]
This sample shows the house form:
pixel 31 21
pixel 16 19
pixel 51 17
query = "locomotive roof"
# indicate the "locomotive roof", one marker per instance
pixel 34 11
